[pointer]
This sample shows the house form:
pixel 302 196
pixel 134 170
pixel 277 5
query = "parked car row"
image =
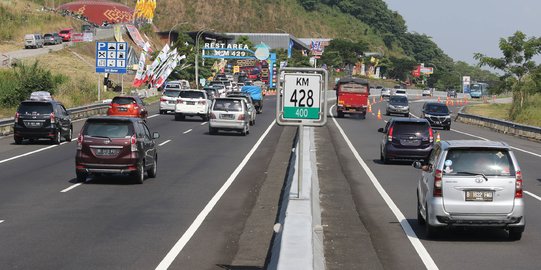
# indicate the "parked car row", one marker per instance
pixel 38 41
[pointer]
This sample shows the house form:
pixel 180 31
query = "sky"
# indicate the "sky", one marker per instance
pixel 464 27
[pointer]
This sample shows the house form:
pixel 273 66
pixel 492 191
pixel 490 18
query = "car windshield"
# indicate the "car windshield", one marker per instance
pixel 35 108
pixel 437 108
pixel 47 35
pixel 192 94
pixel 398 100
pixel 123 100
pixel 486 161
pixel 418 128
pixel 171 93
pixel 230 105
pixel 64 32
pixel 108 129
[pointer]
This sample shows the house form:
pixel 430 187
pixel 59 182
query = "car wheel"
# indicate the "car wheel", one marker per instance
pixel 139 174
pixel 243 132
pixel 18 140
pixel 340 114
pixel 179 117
pixel 387 113
pixel 81 177
pixel 448 127
pixel 154 170
pixel 515 233
pixel 430 231
pixel 213 131
pixel 420 220
pixel 57 138
pixel 205 118
pixel 70 135
pixel 382 158
pixel 162 112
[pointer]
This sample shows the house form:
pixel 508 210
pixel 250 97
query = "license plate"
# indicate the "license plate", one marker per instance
pixel 107 152
pixel 33 124
pixel 122 109
pixel 483 196
pixel 190 102
pixel 171 102
pixel 227 116
pixel 410 142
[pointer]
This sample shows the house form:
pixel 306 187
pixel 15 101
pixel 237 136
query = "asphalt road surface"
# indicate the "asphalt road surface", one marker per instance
pixel 454 249
pixel 48 221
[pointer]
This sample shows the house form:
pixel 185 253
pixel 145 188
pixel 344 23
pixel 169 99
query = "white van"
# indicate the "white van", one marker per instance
pixel 33 41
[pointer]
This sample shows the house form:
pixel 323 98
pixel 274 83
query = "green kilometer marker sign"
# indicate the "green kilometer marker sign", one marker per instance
pixel 301 96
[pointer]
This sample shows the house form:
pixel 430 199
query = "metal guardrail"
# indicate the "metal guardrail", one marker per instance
pixel 6 125
pixel 506 127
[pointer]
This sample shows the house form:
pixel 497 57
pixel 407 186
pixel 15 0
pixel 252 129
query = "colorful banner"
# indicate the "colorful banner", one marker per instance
pixel 118 33
pixel 139 76
pixel 145 9
pixel 136 37
pixel 162 56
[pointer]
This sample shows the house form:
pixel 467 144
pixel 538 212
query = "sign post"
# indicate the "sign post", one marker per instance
pixel 302 102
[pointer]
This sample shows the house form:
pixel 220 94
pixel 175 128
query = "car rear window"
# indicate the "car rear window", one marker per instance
pixel 35 108
pixel 47 35
pixel 123 100
pixel 490 162
pixel 417 128
pixel 436 108
pixel 64 32
pixel 111 129
pixel 231 105
pixel 191 94
pixel 354 88
pixel 171 93
pixel 173 86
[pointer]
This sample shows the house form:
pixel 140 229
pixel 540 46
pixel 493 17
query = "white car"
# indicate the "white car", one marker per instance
pixel 399 92
pixel 427 93
pixel 229 114
pixel 192 103
pixel 168 101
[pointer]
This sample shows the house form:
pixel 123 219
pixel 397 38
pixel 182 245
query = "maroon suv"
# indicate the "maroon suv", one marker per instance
pixel 116 145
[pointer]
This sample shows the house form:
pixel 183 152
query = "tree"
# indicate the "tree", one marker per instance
pixel 400 68
pixel 516 63
pixel 341 52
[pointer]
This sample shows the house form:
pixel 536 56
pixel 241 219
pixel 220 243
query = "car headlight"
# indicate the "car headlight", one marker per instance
pixel 391 106
pixel 448 116
pixel 428 115
pixel 406 107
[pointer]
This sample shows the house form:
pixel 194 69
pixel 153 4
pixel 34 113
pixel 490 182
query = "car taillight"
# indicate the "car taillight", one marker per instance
pixel 437 184
pixel 431 134
pixel 163 99
pixel 202 102
pixel 52 117
pixel 241 117
pixel 80 140
pixel 135 107
pixel 16 117
pixel 212 116
pixel 518 185
pixel 180 101
pixel 390 136
pixel 133 142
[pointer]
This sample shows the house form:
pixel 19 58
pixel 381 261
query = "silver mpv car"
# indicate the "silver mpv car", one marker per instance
pixel 471 183
pixel 229 114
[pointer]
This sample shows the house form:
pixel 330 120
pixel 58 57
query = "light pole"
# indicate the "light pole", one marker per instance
pixel 199 33
pixel 180 23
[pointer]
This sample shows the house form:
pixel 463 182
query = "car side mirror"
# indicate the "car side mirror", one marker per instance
pixel 381 130
pixel 417 165
pixel 155 135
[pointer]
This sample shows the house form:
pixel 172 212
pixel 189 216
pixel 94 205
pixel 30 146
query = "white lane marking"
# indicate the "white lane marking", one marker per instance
pixel 187 131
pixel 152 116
pixel 177 248
pixel 533 195
pixel 29 153
pixel 1 221
pixel 71 187
pixel 204 123
pixel 485 139
pixel 412 237
pixel 164 143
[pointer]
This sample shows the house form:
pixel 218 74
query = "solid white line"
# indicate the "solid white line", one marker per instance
pixel 152 116
pixel 204 123
pixel 485 139
pixel 533 195
pixel 72 187
pixel 412 237
pixel 26 154
pixel 187 131
pixel 164 143
pixel 177 248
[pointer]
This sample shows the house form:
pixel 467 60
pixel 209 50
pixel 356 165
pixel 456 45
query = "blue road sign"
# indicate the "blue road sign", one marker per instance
pixel 111 57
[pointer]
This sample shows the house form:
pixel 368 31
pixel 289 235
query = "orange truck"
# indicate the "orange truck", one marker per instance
pixel 352 96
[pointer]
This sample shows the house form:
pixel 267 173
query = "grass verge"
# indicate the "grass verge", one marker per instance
pixel 529 115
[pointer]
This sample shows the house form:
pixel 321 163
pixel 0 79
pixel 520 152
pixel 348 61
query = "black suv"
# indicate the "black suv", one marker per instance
pixel 437 115
pixel 452 93
pixel 42 119
pixel 406 138
pixel 116 145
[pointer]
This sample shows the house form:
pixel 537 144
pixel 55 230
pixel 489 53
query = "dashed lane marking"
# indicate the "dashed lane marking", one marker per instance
pixel 152 116
pixel 533 195
pixel 204 123
pixel 187 131
pixel 164 143
pixel 27 154
pixel 71 187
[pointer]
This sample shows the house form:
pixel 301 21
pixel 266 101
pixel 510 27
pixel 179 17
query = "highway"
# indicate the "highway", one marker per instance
pixel 395 246
pixel 205 193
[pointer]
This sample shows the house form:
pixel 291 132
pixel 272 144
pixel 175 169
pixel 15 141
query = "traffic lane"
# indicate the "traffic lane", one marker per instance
pixel 112 204
pixel 400 181
pixel 529 161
